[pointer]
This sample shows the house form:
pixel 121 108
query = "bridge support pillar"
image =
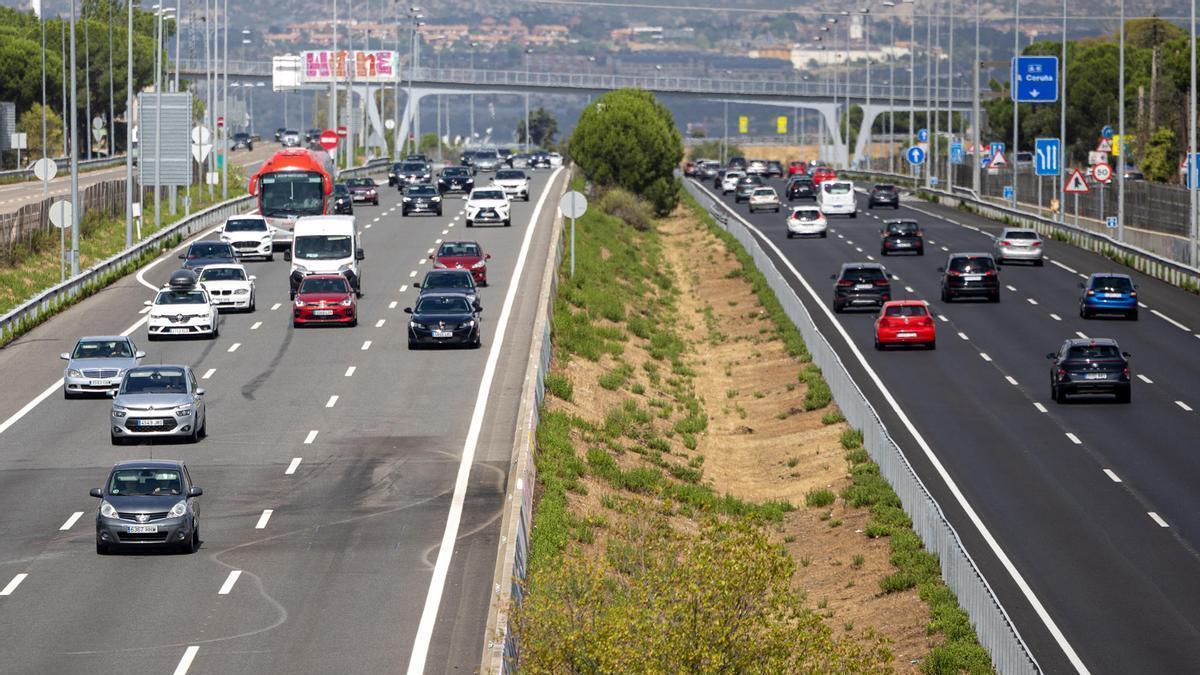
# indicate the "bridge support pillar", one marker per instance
pixel 862 144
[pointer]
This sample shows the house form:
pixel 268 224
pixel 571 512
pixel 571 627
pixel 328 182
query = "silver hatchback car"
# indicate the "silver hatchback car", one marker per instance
pixel 97 363
pixel 157 402
pixel 1018 243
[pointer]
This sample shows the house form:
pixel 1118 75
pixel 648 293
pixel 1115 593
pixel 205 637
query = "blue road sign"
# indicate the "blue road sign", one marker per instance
pixel 933 181
pixel 915 155
pixel 1111 222
pixel 1047 156
pixel 1107 132
pixel 995 148
pixel 956 153
pixel 1035 79
pixel 922 135
pixel 1008 192
pixel 1193 172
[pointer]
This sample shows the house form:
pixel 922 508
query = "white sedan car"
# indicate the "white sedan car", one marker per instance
pixel 764 199
pixel 488 205
pixel 514 182
pixel 229 287
pixel 250 236
pixel 807 220
pixel 182 308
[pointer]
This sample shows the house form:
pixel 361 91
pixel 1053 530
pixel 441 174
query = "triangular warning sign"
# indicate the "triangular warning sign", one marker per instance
pixel 998 160
pixel 1076 184
pixel 1105 145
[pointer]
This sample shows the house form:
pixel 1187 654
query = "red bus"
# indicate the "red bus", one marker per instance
pixel 292 183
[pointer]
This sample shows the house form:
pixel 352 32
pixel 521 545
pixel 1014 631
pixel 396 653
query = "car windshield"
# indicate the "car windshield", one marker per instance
pixel 733 175
pixel 241 137
pixel 246 225
pixel 443 304
pixel 764 192
pixel 181 298
pixel 1020 234
pixel 210 250
pixel 456 172
pixel 324 285
pixel 413 167
pixel 145 482
pixel 905 310
pixel 838 188
pixel 223 274
pixel 322 247
pixel 286 193
pixel 489 194
pixel 751 180
pixel 510 175
pixel 360 182
pixel 341 189
pixel 461 279
pixel 154 381
pixel 806 214
pixel 885 188
pixel 421 191
pixel 1112 284
pixel 972 264
pixel 102 349
pixel 863 275
pixel 902 228
pixel 486 154
pixel 459 250
pixel 1094 352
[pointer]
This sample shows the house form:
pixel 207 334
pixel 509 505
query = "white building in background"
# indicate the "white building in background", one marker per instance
pixel 801 57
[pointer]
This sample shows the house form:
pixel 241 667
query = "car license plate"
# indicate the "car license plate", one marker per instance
pixel 443 333
pixel 903 244
pixel 1096 376
pixel 906 335
pixel 322 312
pixel 150 423
pixel 141 529
pixel 97 383
pixel 973 277
pixel 180 330
pixel 862 287
pixel 1112 295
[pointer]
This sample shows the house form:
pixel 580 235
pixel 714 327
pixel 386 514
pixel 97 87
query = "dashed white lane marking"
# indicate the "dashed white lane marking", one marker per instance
pixel 849 242
pixel 858 248
pixel 376 219
pixel 276 306
pixel 436 241
pixel 430 251
pixel 12 585
pixel 392 304
pixel 1186 407
pixel 1011 380
pixel 379 323
pixel 1145 379
pixel 450 225
pixel 870 257
pixel 412 274
pixel 1069 269
pixel 1081 335
pixel 909 289
pixel 963 336
pixel 445 232
pixel 1169 320
pixel 367 226
pixel 71 521
pixel 1032 301
pixel 1115 478
pixel 840 236
pixel 350 371
pixel 1055 316
pixel 208 373
pixel 256 325
pixel 229 582
pixel 1011 287
pixel 332 401
pixel 234 347
pixel 404 288
pixel 422 261
pixel 1157 519
pixel 312 435
pixel 185 663
pixel 1142 305
pixel 945 248
pixel 985 357
pixel 1074 438
pixel 942 317
pixel 1041 408
pixel 366 345
pixel 262 520
pixel 293 466
pixel 932 242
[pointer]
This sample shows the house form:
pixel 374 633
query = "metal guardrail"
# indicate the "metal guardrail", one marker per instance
pixel 62 162
pixel 994 627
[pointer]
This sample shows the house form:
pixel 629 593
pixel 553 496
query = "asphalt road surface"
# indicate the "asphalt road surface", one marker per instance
pixel 1094 503
pixel 329 473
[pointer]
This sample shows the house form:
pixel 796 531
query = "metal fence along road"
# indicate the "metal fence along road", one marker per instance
pixel 20 226
pixel 995 629
pixel 62 163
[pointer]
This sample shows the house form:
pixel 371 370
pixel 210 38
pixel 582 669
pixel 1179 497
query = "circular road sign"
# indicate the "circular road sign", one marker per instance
pixel 220 122
pixel 915 155
pixel 573 204
pixel 341 132
pixel 922 135
pixel 97 122
pixel 62 215
pixel 201 135
pixel 389 124
pixel 329 139
pixel 45 169
pixel 1107 132
pixel 1102 173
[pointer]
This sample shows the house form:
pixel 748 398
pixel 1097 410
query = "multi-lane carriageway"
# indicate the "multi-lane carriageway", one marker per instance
pixel 1084 517
pixel 334 462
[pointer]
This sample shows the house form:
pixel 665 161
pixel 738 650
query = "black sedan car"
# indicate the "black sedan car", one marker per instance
pixel 201 254
pixel 241 140
pixel 774 169
pixel 1089 366
pixel 421 199
pixel 540 160
pixel 343 201
pixel 409 173
pixel 861 285
pixel 393 171
pixel 443 319
pixel 970 275
pixel 801 187
pixel 148 503
pixel 901 236
pixel 883 195
pixel 451 281
pixel 455 179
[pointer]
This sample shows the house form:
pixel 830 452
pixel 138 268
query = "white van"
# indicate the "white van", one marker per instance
pixel 836 198
pixel 326 245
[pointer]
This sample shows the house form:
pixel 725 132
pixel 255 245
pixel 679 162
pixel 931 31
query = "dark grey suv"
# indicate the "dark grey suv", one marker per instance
pixel 861 285
pixel 148 503
pixel 970 275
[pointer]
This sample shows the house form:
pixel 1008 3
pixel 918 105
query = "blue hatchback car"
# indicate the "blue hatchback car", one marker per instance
pixel 1108 293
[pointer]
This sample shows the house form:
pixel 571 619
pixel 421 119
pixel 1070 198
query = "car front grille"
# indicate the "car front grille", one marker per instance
pixel 135 424
pixel 142 536
pixel 158 515
pixel 101 373
pixel 245 244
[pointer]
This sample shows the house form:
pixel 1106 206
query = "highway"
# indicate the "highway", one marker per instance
pixel 1092 504
pixel 329 473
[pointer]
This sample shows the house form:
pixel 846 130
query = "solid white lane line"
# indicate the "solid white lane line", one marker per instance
pixel 208 373
pixel 332 401
pixel 229 582
pixel 16 417
pixel 1011 380
pixel 963 335
pixel 1115 478
pixel 262 520
pixel 1055 316
pixel 71 521
pixel 1169 320
pixel 310 437
pixel 1082 275
pixel 392 304
pixel 1145 379
pixel 276 306
pixel 1069 269
pixel 1157 519
pixel 1074 438
pixel 441 568
pixel 256 325
pixel 293 466
pixel 412 274
pixel 985 357
pixel 1081 334
pixel 234 347
pixel 1041 408
pixel 403 288
pixel 379 323
pixel 1031 301
pixel 350 371
pixel 366 345
pixel 1011 287
pixel 144 310
pixel 12 585
pixel 1186 407
pixel 185 663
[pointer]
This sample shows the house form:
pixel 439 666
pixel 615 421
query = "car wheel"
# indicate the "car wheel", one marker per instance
pixel 1125 395
pixel 895 207
pixel 945 295
pixel 194 437
pixel 216 331
pixel 854 214
pixel 193 543
pixel 253 304
pixel 151 337
pixel 354 321
pixel 295 324
pixel 883 252
pixel 1056 395
pixel 932 345
pixel 508 223
pixel 412 346
pixel 823 235
pixel 878 346
pixel 1038 263
pixel 837 308
pixel 468 223
pixel 270 257
pixel 101 548
pixel 439 213
pixel 995 297
pixel 1084 313
pixel 116 440
pixel 921 251
pixel 791 236
pixel 67 395
pixel 1132 316
pixel 526 197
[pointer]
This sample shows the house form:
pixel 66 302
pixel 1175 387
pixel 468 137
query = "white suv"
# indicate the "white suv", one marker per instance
pixel 514 182
pixel 488 205
pixel 182 307
pixel 250 236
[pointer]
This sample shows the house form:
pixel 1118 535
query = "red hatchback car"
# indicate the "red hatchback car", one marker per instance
pixel 462 255
pixel 325 299
pixel 905 322
pixel 797 167
pixel 821 174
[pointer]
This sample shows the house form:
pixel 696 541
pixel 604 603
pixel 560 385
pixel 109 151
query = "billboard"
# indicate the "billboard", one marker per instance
pixel 345 65
pixel 8 124
pixel 176 151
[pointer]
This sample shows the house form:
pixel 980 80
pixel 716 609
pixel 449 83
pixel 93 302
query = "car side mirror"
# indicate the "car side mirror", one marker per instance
pixel 1135 286
pixel 487 256
pixel 200 391
pixel 431 256
pixel 1127 355
pixel 287 254
pixel 183 256
pixel 65 356
pixel 97 493
pixel 942 269
pixel 113 392
pixel 148 303
pixel 833 276
pixel 139 355
pixel 1050 356
pixel 195 491
pixel 416 284
pixel 1081 285
pixel 252 277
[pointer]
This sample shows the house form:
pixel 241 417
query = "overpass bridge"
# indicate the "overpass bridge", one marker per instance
pixel 826 97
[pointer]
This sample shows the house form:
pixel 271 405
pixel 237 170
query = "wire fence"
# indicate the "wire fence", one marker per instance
pixel 22 227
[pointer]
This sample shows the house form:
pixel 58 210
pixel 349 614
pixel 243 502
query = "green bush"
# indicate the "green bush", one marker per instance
pixel 818 498
pixel 625 205
pixel 559 385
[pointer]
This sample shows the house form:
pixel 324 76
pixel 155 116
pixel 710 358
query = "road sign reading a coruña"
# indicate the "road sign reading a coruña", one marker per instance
pixel 1046 156
pixel 1035 79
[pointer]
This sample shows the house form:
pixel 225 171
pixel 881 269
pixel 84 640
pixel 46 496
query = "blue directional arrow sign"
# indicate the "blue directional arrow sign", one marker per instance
pixel 915 155
pixel 995 148
pixel 1035 79
pixel 1107 132
pixel 956 153
pixel 1193 171
pixel 1008 193
pixel 1047 156
pixel 922 135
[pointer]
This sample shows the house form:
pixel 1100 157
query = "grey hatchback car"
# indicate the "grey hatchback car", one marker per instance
pixel 97 363
pixel 148 503
pixel 157 402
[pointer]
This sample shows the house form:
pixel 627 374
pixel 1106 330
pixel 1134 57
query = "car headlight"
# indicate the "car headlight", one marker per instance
pixel 408 199
pixel 437 199
pixel 225 237
pixel 469 324
pixel 107 510
pixel 265 238
pixel 477 265
pixel 348 301
pixel 299 303
pixel 241 291
pixel 345 268
pixel 178 510
pixel 183 410
pixel 71 372
pixel 297 267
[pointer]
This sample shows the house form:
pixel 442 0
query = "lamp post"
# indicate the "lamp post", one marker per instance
pixel 1016 119
pixel 912 68
pixel 1062 108
pixel 129 123
pixel 891 87
pixel 414 17
pixel 976 165
pixel 866 18
pixel 528 51
pixel 1121 124
pixel 74 156
pixel 471 103
pixel 1192 216
pixel 846 158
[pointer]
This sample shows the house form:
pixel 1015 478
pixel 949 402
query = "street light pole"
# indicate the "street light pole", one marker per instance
pixel 866 19
pixel 333 88
pixel 1062 113
pixel 1192 216
pixel 1124 142
pixel 471 99
pixel 1016 120
pixel 976 165
pixel 950 101
pixel 912 69
pixel 74 157
pixel 129 123
pixel 225 105
pixel 528 51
